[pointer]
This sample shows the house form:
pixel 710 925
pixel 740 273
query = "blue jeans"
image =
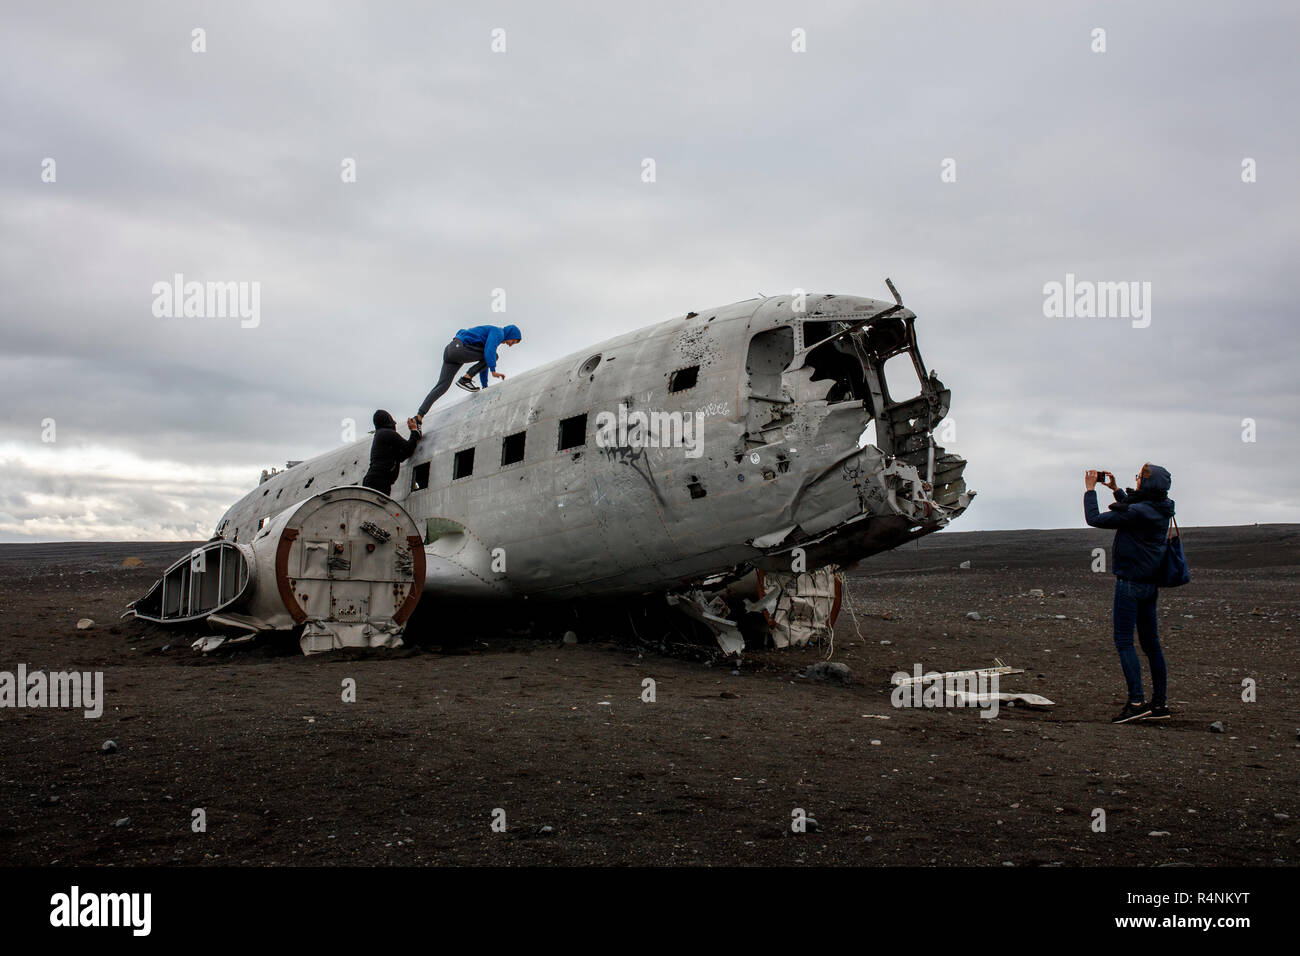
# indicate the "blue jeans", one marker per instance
pixel 1135 605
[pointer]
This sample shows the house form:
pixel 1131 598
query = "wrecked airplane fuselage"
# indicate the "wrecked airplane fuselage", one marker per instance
pixel 672 460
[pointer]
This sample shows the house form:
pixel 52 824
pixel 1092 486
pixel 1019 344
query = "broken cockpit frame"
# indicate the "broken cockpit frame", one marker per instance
pixel 854 354
pixel 839 401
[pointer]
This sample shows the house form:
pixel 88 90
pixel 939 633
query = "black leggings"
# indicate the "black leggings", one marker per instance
pixel 456 354
pixel 378 482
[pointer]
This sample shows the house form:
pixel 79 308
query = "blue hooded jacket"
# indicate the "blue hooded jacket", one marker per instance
pixel 488 336
pixel 1141 521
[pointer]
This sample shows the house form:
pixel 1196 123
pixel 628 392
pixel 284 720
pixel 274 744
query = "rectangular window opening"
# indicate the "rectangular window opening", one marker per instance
pixel 683 378
pixel 573 431
pixel 462 466
pixel 901 381
pixel 512 448
pixel 420 476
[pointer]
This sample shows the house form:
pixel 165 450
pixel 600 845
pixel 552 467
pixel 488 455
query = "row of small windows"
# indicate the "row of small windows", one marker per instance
pixel 572 434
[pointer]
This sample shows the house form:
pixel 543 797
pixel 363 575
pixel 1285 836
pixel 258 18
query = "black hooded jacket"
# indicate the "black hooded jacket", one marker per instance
pixel 387 452
pixel 1141 522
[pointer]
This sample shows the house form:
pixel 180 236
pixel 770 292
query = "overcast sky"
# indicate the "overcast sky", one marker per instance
pixel 522 170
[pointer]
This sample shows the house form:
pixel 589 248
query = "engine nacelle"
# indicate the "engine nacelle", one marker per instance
pixel 347 566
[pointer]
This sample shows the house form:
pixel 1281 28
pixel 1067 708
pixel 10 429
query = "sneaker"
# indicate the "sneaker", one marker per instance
pixel 466 384
pixel 1158 712
pixel 1131 711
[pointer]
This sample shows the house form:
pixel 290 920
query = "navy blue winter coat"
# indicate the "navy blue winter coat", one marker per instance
pixel 1141 521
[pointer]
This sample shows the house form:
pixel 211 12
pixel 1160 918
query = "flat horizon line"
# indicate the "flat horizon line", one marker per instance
pixel 179 541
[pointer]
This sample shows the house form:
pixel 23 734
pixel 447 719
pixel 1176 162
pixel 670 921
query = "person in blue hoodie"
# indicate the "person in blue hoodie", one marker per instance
pixel 476 347
pixel 1140 517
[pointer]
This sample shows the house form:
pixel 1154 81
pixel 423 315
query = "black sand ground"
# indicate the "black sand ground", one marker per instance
pixel 558 737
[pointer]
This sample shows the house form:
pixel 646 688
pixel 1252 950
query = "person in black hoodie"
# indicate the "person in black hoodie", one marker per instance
pixel 1140 517
pixel 388 451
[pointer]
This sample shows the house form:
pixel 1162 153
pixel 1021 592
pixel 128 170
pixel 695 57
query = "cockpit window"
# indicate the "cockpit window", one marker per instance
pixel 901 381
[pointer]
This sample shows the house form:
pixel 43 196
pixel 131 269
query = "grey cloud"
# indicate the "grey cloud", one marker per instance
pixel 775 170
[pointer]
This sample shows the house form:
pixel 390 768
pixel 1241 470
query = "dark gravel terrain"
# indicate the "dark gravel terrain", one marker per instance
pixel 558 738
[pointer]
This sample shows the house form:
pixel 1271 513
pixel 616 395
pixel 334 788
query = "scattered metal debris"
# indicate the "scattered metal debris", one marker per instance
pixel 964 699
pixel 711 611
pixel 1000 671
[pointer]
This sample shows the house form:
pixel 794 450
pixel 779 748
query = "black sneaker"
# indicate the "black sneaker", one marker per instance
pixel 467 385
pixel 1131 711
pixel 1158 712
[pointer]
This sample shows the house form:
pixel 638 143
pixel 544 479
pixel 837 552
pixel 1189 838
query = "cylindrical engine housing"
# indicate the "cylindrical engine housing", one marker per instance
pixel 348 564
